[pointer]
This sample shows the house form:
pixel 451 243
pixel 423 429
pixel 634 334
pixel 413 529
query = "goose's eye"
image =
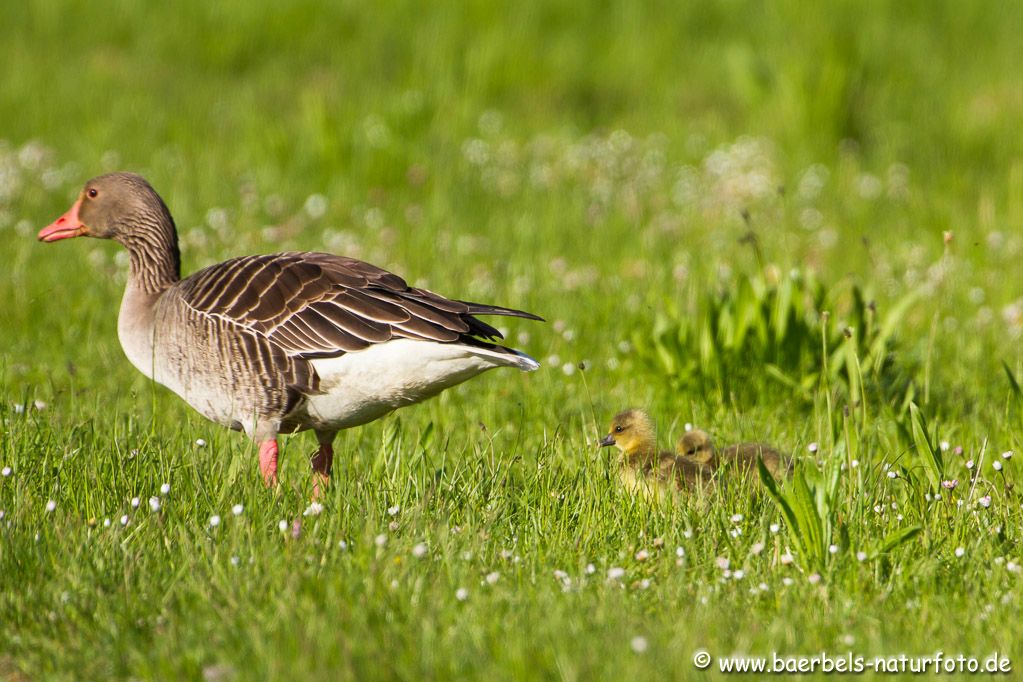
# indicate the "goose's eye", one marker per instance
pixel 93 193
pixel 619 429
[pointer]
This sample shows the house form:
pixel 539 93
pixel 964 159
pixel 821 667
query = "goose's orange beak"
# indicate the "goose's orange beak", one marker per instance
pixel 65 227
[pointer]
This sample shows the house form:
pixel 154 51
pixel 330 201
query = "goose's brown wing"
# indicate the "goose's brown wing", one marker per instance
pixel 315 305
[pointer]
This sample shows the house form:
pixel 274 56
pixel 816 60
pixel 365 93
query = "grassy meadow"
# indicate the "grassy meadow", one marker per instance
pixel 788 222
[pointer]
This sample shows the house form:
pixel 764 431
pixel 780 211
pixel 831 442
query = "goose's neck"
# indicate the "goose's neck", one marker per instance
pixel 643 456
pixel 155 262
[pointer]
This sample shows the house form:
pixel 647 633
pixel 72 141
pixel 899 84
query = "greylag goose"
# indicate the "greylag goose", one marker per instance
pixel 644 470
pixel 696 446
pixel 283 342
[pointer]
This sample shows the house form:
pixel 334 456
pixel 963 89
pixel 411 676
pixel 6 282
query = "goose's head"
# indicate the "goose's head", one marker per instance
pixel 632 432
pixel 119 206
pixel 697 446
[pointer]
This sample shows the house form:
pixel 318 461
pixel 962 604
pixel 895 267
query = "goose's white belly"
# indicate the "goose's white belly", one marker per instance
pixel 362 386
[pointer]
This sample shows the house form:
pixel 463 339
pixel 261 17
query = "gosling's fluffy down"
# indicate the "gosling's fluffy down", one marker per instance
pixel 696 446
pixel 644 469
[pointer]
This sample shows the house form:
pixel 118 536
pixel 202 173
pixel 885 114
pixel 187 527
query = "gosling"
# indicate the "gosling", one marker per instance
pixel 696 446
pixel 646 471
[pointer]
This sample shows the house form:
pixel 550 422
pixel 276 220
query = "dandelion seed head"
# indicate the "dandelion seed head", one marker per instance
pixel 135 502
pixel 960 551
pixel 165 488
pixel 214 521
pixel 237 509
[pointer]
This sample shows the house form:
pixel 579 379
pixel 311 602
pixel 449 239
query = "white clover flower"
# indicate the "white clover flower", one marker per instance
pixel 774 527
pixel 736 518
pixel 1007 454
pixel 687 534
pixel 833 549
pixel 892 474
pixel 124 520
pixel 165 488
pixel 722 562
pixel 763 587
pixel 735 532
pixel 738 574
pixel 590 569
pixel 996 465
pixel 6 471
pixel 615 573
pixel 493 577
pixel 639 644
pixel 855 463
pixel 812 447
pixel 814 578
pixel 106 523
pixel 342 545
pixel 786 558
pixel 214 521
pixel 50 506
pixel 861 556
pixel 642 555
pixel 960 551
pixel 199 442
pixel 237 509
pixel 950 485
pixel 944 445
pixel 688 427
pixel 154 503
pixel 135 502
pixel 380 540
pixel 787 581
pixel 680 551
pixel 461 594
pixel 393 511
pixel 314 509
pixel 969 464
pixel 419 550
pixel 985 501
pixel 756 548
pixel 644 583
pixel 282 525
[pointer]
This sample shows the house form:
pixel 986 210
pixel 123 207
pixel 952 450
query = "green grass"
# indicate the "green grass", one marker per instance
pixel 590 162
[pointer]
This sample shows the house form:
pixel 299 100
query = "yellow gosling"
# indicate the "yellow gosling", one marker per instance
pixel 644 469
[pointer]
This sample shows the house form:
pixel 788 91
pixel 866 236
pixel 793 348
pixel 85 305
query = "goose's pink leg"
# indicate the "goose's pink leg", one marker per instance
pixel 322 462
pixel 268 462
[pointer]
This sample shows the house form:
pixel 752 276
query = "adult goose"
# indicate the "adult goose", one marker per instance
pixel 283 342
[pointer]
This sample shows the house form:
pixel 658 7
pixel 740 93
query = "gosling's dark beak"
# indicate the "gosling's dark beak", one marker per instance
pixel 607 440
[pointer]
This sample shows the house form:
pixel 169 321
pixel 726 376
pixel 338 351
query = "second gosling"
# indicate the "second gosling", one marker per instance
pixel 696 446
pixel 644 469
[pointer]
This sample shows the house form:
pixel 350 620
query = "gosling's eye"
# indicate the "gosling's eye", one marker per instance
pixel 619 429
pixel 93 193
